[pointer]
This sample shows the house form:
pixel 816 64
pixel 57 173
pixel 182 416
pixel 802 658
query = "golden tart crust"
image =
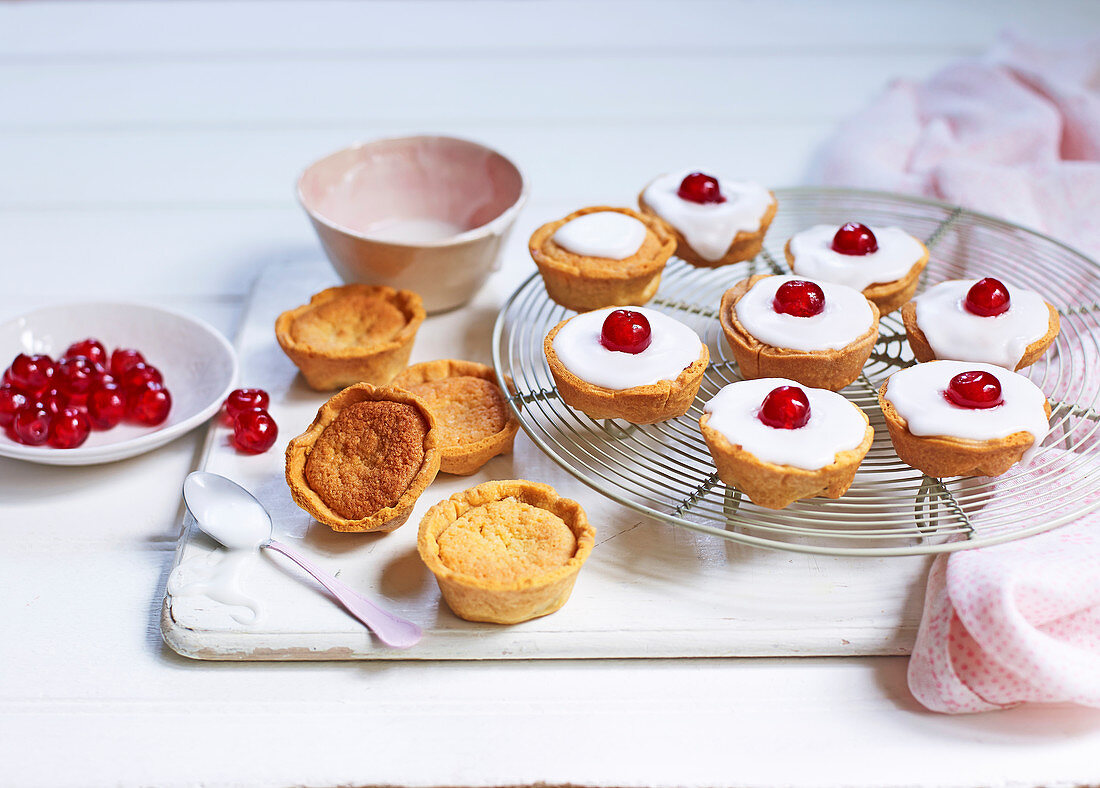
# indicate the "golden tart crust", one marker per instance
pixel 941 456
pixel 365 459
pixel 351 334
pixel 471 412
pixel 660 401
pixel 584 283
pixel 924 352
pixel 823 369
pixel 745 245
pixel 505 551
pixel 778 486
pixel 887 296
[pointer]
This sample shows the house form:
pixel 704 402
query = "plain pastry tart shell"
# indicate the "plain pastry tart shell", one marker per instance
pixel 923 351
pixel 660 401
pixel 941 456
pixel 474 422
pixel 823 369
pixel 475 573
pixel 584 283
pixel 887 296
pixel 363 468
pixel 351 334
pixel 745 245
pixel 778 486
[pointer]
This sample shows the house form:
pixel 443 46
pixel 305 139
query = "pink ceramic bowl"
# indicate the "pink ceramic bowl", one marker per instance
pixel 428 214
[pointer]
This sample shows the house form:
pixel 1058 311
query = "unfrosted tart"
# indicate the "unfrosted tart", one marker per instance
pixel 471 412
pixel 366 458
pixel 826 369
pixel 505 551
pixel 350 334
pixel 584 282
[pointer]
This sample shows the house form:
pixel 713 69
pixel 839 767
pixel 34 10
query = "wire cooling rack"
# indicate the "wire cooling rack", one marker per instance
pixel 664 470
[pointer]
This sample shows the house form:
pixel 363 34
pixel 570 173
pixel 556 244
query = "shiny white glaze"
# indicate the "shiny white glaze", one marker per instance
pixel 674 347
pixel 813 255
pixel 413 231
pixel 607 234
pixel 709 228
pixel 917 395
pixel 835 424
pixel 846 317
pixel 954 332
pixel 217 576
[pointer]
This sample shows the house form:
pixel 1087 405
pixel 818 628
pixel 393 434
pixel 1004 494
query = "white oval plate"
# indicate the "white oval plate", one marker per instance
pixel 198 364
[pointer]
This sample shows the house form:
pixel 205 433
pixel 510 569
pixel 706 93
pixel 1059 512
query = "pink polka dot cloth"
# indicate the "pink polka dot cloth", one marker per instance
pixel 1017 622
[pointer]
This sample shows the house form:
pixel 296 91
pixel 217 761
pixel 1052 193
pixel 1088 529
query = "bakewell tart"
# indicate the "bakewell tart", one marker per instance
pixel 885 262
pixel 505 551
pixel 634 364
pixel 817 333
pixel 778 442
pixel 983 320
pixel 365 459
pixel 961 418
pixel 351 334
pixel 716 222
pixel 472 419
pixel 602 256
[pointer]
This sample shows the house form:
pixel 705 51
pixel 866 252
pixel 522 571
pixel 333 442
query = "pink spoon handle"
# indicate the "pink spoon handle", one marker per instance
pixel 390 629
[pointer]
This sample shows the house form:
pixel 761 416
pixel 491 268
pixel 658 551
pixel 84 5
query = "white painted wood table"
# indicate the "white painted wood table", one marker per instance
pixel 147 151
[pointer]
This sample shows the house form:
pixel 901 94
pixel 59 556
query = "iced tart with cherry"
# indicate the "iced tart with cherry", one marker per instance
pixel 984 320
pixel 716 221
pixel 639 365
pixel 884 263
pixel 601 256
pixel 961 418
pixel 817 333
pixel 779 442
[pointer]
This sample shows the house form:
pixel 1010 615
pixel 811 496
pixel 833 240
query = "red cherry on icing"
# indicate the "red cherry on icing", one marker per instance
pixel 974 390
pixel 855 239
pixel 90 348
pixel 148 403
pixel 246 399
pixel 11 400
pixel 69 429
pixel 785 408
pixel 106 405
pixel 626 331
pixel 124 358
pixel 700 188
pixel 799 298
pixel 138 375
pixel 31 373
pixel 988 297
pixel 254 431
pixel 31 425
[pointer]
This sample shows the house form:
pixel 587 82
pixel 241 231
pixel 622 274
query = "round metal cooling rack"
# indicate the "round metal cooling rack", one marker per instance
pixel 664 470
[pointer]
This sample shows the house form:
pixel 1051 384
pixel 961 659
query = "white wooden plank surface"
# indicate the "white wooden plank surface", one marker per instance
pixel 106 197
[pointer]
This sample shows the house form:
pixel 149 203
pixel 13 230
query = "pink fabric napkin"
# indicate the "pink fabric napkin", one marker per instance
pixel 1015 134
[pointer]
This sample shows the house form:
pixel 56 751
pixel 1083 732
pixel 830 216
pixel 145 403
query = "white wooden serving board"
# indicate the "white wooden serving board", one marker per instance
pixel 648 590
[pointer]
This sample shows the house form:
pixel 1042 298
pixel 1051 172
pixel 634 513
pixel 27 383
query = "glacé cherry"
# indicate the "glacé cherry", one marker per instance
pixel 69 429
pixel 31 425
pixel 124 358
pixel 854 239
pixel 11 400
pixel 106 405
pixel 988 297
pixel 246 399
pixel 31 373
pixel 148 403
pixel 799 298
pixel 975 390
pixel 76 375
pixel 700 188
pixel 138 375
pixel 626 331
pixel 254 430
pixel 90 348
pixel 785 408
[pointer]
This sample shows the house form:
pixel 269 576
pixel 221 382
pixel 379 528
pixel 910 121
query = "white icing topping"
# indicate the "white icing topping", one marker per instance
pixel 608 234
pixel 917 395
pixel 813 255
pixel 954 332
pixel 835 424
pixel 710 227
pixel 674 348
pixel 846 317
